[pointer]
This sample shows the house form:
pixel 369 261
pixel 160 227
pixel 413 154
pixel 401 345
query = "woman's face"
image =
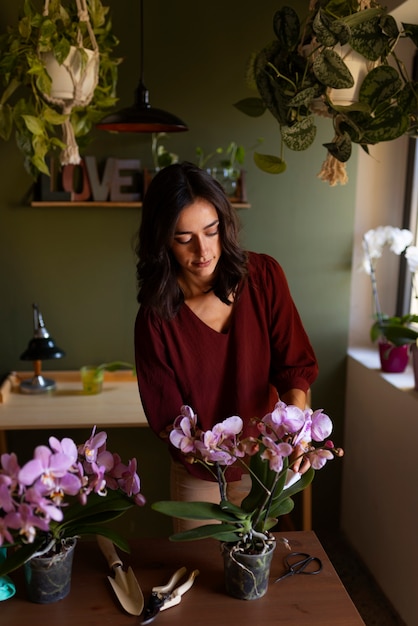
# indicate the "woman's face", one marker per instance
pixel 196 244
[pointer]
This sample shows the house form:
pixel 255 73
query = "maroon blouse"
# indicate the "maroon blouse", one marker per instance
pixel 264 353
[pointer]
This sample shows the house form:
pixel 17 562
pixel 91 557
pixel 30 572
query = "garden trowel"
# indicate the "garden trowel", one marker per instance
pixel 125 585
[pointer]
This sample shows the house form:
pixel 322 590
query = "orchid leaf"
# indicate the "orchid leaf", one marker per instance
pixel 193 510
pixel 221 532
pixel 18 557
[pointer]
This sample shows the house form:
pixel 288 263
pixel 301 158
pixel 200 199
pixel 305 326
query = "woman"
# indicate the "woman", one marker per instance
pixel 217 328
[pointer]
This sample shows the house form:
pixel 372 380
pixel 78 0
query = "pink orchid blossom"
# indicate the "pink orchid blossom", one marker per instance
pixel 284 419
pixel 25 520
pixel 183 434
pixel 45 467
pixel 33 498
pixel 274 453
pixel 319 457
pixel 91 447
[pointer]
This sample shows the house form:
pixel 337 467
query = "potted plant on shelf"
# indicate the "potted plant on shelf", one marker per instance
pixel 395 334
pixel 69 41
pixel 229 167
pixel 286 432
pixel 64 492
pixel 305 71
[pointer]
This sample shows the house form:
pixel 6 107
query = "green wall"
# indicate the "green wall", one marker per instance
pixel 78 264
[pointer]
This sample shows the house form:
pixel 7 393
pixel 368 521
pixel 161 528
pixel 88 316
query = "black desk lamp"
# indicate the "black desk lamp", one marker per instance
pixel 40 348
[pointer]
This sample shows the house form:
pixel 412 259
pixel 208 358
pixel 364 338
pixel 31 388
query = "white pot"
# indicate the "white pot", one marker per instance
pixel 66 77
pixel 359 68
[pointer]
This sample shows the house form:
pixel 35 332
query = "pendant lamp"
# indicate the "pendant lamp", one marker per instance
pixel 141 117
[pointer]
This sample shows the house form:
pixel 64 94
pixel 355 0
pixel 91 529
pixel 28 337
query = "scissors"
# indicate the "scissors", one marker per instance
pixel 299 562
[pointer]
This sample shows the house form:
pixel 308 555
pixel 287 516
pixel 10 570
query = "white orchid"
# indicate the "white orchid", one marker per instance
pixel 411 256
pixel 396 330
pixel 376 239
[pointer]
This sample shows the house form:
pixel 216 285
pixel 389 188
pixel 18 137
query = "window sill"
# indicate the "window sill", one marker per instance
pixel 369 358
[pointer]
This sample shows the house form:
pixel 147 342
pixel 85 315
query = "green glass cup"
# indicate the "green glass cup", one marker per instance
pixel 91 379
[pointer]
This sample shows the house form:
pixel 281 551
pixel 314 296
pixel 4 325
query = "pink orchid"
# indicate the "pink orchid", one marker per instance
pixel 274 453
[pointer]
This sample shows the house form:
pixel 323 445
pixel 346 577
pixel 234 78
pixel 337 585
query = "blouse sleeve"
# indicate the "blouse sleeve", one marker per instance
pixel 293 361
pixel 158 389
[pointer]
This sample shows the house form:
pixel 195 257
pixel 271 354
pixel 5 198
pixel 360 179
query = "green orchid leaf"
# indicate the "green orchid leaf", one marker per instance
pixel 16 558
pixel 330 69
pixel 286 26
pixel 92 530
pixel 193 510
pixel 253 107
pixel 114 502
pixel 234 510
pixel 283 507
pixel 221 532
pixel 301 135
pixel 395 333
pixel 379 86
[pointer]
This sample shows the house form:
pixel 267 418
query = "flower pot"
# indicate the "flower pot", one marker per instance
pixel 246 575
pixel 414 352
pixel 70 80
pixel 393 359
pixel 48 578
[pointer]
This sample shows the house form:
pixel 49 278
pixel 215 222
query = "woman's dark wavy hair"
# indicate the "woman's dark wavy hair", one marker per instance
pixel 170 191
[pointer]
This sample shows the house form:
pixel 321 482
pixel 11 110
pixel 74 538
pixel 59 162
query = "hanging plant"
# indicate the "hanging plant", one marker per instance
pixel 71 39
pixel 305 70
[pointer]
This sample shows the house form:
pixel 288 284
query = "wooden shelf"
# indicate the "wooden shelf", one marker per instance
pixel 130 205
pixel 87 204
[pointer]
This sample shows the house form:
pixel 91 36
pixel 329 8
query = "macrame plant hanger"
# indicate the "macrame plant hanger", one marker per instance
pixel 84 79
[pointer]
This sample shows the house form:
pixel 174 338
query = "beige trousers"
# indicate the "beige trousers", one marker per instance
pixel 188 488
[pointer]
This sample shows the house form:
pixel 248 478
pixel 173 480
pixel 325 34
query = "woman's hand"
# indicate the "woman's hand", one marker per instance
pixel 301 464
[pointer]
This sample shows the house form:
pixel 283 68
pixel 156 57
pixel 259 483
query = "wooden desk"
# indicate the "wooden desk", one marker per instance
pixel 118 405
pixel 319 600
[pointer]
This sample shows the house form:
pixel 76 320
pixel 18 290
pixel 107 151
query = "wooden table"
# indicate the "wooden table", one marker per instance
pixel 68 406
pixel 319 600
